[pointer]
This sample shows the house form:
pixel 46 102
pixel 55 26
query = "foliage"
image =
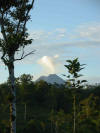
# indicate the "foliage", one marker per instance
pixel 74 67
pixel 14 15
pixel 54 112
pixel 13 18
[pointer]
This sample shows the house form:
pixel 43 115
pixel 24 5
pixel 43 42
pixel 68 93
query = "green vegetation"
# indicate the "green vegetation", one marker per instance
pixel 46 108
pixel 75 84
pixel 14 15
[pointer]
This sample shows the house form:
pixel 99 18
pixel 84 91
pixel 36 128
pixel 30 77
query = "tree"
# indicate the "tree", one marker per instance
pixel 7 3
pixel 26 85
pixel 14 15
pixel 25 79
pixel 58 121
pixel 74 67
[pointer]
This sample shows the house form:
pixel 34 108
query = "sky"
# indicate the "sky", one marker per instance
pixel 61 30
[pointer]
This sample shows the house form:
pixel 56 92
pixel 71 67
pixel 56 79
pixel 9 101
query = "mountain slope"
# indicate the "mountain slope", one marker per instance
pixel 52 78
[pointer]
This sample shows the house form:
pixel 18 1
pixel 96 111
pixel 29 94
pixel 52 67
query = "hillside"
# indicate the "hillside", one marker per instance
pixel 52 79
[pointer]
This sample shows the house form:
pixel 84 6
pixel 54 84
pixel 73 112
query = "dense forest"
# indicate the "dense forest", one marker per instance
pixel 47 108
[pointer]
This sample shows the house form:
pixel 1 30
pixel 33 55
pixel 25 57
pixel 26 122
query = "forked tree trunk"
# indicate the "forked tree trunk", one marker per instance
pixel 13 97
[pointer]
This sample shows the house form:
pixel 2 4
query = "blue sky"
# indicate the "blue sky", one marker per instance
pixel 62 29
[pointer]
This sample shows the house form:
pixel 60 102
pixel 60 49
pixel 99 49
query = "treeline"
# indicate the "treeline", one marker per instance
pixel 46 108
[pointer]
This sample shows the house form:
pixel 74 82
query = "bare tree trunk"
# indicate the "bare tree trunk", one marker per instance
pixel 74 106
pixel 13 97
pixel 25 113
pixel 87 113
pixel 51 127
pixel 56 127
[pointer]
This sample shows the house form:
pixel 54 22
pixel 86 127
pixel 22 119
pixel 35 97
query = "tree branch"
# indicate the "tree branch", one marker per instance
pixel 2 26
pixel 18 26
pixel 19 22
pixel 27 15
pixel 4 60
pixel 23 56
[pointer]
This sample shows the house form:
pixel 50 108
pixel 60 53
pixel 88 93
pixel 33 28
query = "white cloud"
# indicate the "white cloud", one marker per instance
pixel 60 33
pixel 89 32
pixel 83 35
pixel 46 43
pixel 61 30
pixel 42 36
pixel 37 35
pixel 56 56
pixel 49 64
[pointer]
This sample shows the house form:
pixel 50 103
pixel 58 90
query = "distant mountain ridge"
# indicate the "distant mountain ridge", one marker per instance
pixel 52 79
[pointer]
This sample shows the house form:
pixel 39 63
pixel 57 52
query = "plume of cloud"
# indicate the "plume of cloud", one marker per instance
pixel 49 64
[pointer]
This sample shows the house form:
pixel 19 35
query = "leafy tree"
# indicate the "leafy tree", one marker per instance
pixel 33 126
pixel 25 78
pixel 58 121
pixel 41 92
pixel 89 107
pixel 14 16
pixel 5 4
pixel 26 85
pixel 73 82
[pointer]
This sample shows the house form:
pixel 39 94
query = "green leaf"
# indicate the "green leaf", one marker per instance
pixel 83 81
pixel 69 61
